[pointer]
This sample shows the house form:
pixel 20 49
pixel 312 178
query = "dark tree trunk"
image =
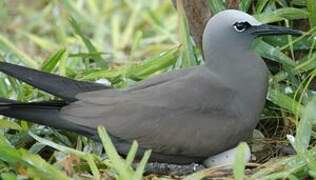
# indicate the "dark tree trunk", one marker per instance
pixel 197 13
pixel 232 4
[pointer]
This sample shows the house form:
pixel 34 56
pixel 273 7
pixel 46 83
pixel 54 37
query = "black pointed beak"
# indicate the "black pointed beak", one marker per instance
pixel 267 30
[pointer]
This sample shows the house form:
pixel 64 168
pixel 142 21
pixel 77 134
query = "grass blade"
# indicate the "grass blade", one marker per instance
pixel 132 153
pixel 216 6
pixel 141 166
pixel 14 50
pixel 311 6
pixel 85 156
pixel 91 48
pixel 240 161
pixel 288 13
pixel 267 51
pixel 284 101
pixel 51 63
pixel 260 5
pixel 139 71
pixel 37 167
pixel 187 56
pixel 9 124
pixel 245 5
pixel 41 42
pixel 118 163
pixel 304 132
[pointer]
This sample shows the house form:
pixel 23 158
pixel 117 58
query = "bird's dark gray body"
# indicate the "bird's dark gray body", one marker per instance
pixel 184 116
pixel 170 114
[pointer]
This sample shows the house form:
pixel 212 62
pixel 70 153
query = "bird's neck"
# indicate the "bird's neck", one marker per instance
pixel 245 73
pixel 246 67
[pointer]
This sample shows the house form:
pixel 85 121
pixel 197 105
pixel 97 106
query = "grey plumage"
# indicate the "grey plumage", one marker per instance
pixel 183 116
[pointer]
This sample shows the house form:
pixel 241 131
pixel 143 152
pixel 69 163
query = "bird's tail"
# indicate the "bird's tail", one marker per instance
pixel 48 112
pixel 62 87
pixel 45 113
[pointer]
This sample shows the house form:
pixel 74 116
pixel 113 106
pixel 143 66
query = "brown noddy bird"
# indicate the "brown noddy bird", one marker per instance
pixel 184 116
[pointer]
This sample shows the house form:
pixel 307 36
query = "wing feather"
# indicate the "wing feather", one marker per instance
pixel 169 116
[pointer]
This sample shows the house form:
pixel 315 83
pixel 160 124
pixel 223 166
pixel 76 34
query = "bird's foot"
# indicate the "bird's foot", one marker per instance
pixel 172 169
pixel 223 159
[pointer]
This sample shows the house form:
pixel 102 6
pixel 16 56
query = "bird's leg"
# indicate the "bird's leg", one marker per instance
pixel 225 158
pixel 172 169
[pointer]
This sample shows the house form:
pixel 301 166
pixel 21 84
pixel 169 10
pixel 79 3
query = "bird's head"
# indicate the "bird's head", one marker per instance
pixel 236 29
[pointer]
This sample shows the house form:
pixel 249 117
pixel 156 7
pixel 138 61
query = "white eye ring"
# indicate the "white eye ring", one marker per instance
pixel 240 26
pixel 239 30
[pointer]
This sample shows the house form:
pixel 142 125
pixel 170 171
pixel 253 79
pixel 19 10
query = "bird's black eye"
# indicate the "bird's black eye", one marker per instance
pixel 241 26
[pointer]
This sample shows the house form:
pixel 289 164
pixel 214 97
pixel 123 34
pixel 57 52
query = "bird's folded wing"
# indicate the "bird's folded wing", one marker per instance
pixel 171 116
pixel 59 86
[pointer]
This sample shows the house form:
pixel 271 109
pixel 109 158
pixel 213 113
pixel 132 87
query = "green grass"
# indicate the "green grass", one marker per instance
pixel 126 41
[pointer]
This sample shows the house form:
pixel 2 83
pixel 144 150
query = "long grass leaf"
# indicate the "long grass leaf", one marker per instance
pixel 38 167
pixel 284 101
pixel 4 42
pixel 88 43
pixel 118 163
pixel 132 153
pixel 240 161
pixel 267 51
pixel 288 13
pixel 85 156
pixel 245 5
pixel 9 124
pixel 260 5
pixel 216 6
pixel 51 63
pixel 304 132
pixel 141 166
pixel 311 6
pixel 187 56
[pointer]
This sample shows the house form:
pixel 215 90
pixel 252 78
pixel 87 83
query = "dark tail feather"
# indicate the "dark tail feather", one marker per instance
pixel 6 101
pixel 48 113
pixel 62 87
pixel 45 113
